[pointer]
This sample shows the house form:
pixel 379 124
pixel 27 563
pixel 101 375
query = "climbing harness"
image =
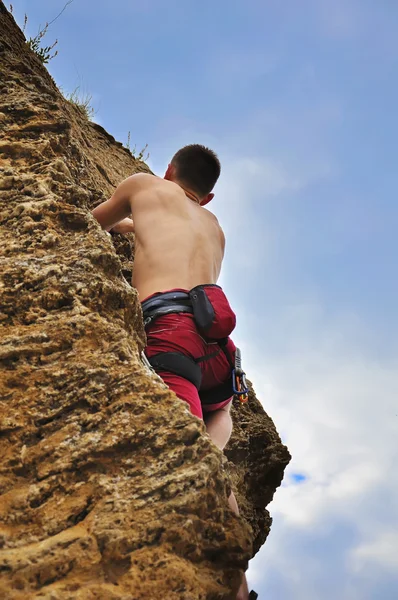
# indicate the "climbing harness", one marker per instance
pixel 151 371
pixel 164 304
pixel 197 302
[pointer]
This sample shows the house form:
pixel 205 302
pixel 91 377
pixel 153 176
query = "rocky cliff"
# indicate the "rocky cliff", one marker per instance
pixel 109 488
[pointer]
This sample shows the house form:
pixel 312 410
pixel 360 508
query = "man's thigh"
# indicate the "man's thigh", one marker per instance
pixel 185 390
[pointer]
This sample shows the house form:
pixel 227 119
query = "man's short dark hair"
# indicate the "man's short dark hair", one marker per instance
pixel 197 167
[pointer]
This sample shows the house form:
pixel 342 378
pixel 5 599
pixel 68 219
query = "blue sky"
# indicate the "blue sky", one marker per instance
pixel 299 100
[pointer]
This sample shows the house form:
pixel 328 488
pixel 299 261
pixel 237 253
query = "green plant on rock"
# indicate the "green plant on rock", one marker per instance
pixel 82 101
pixel 44 53
pixel 133 151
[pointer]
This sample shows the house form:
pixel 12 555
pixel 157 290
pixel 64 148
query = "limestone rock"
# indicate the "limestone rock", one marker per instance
pixel 109 488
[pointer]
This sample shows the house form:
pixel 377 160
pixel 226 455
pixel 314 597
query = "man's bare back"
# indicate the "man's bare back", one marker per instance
pixel 179 244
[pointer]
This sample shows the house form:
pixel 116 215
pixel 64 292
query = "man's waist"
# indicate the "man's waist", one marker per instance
pixel 166 303
pixel 151 286
pixel 173 301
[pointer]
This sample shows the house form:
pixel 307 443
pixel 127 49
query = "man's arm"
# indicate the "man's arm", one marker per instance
pixel 125 226
pixel 118 207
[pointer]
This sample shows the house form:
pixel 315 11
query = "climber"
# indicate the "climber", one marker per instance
pixel 179 248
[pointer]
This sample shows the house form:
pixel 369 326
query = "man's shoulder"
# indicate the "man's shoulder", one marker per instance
pixel 140 182
pixel 210 215
pixel 143 178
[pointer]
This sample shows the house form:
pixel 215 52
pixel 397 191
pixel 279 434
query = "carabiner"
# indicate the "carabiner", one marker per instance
pixel 239 384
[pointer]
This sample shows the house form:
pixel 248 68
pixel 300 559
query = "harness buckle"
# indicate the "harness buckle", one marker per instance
pixel 147 321
pixel 239 384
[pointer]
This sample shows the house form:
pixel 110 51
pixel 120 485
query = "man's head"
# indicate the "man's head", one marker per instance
pixel 197 169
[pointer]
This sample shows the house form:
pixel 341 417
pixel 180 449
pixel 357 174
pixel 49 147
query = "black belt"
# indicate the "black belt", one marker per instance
pixel 164 304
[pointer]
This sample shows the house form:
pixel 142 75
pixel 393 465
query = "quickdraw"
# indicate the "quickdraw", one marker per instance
pixel 239 378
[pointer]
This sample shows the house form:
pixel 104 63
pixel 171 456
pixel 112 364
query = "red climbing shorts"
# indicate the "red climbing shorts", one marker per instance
pixel 179 333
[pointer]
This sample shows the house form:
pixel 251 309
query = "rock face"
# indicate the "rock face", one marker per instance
pixel 109 488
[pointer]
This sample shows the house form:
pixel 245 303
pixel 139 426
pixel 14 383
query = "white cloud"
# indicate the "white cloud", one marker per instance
pixel 382 549
pixel 338 416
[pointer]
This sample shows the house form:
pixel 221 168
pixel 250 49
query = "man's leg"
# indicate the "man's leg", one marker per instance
pixel 219 427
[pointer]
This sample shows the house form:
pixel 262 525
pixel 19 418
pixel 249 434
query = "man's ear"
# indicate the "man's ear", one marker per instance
pixel 169 172
pixel 207 199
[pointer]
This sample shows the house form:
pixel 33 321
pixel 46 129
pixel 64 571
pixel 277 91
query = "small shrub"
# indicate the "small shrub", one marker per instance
pixel 142 152
pixel 34 43
pixel 82 101
pixel 42 52
pixel 133 151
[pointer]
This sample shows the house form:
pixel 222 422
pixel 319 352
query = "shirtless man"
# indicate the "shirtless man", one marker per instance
pixel 179 248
